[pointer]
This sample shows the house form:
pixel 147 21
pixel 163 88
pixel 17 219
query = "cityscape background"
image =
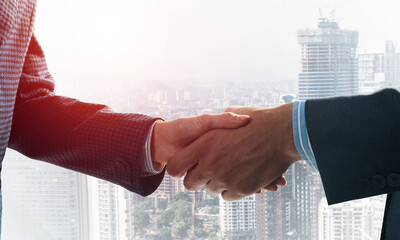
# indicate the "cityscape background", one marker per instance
pixel 185 58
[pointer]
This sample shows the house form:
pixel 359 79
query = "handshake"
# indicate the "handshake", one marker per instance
pixel 234 154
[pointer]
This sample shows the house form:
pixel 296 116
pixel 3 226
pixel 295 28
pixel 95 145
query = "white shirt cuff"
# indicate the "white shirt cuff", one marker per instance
pixel 148 168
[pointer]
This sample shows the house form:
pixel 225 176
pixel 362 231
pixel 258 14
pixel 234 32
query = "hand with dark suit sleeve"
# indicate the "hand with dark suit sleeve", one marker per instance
pixel 91 138
pixel 358 137
pixel 356 143
pixel 239 162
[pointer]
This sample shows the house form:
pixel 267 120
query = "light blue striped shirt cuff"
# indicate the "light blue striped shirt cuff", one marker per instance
pixel 300 134
pixel 148 168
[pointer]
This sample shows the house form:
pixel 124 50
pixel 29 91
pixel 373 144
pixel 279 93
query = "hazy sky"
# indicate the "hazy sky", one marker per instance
pixel 192 40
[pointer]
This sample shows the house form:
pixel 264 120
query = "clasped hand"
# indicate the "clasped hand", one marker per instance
pixel 234 154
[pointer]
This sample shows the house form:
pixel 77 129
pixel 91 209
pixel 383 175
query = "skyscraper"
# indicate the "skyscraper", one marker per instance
pixel 358 219
pixel 328 61
pixel 237 218
pixel 328 68
pixel 353 220
pixel 43 201
pixel 291 213
pixel 308 192
pixel 379 67
pixel 378 204
pixel 276 211
pixel 112 211
pixel 371 72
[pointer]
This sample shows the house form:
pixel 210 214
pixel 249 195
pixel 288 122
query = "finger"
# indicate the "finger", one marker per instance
pixel 191 128
pixel 228 195
pixel 214 188
pixel 272 187
pixel 195 178
pixel 182 161
pixel 281 181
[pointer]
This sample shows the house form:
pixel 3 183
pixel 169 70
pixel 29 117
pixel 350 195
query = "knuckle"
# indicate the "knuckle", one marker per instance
pixel 211 189
pixel 245 190
pixel 229 196
pixel 241 191
pixel 205 117
pixel 172 171
pixel 221 182
pixel 214 187
pixel 230 110
pixel 225 197
pixel 229 115
pixel 188 184
pixel 205 120
pixel 202 176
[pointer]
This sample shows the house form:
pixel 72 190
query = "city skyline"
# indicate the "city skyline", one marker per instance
pixel 180 40
pixel 113 208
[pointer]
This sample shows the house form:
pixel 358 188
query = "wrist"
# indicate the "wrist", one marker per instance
pixel 288 147
pixel 158 146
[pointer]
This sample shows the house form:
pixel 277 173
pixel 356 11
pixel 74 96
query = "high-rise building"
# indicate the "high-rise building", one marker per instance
pixel 308 191
pixel 42 201
pixel 291 213
pixel 328 68
pixel 353 220
pixel 112 211
pixel 237 218
pixel 276 211
pixel 371 72
pixel 328 61
pixel 378 204
pixel 379 67
pixel 359 219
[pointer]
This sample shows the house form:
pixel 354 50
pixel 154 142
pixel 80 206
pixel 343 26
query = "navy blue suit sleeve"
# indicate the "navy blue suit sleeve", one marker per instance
pixel 356 142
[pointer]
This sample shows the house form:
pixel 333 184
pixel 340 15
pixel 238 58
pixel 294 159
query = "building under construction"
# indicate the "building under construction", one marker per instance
pixel 328 61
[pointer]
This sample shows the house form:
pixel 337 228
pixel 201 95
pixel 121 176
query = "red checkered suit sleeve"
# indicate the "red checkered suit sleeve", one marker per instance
pixel 88 138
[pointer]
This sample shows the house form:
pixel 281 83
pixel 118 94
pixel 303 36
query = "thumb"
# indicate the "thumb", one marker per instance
pixel 190 128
